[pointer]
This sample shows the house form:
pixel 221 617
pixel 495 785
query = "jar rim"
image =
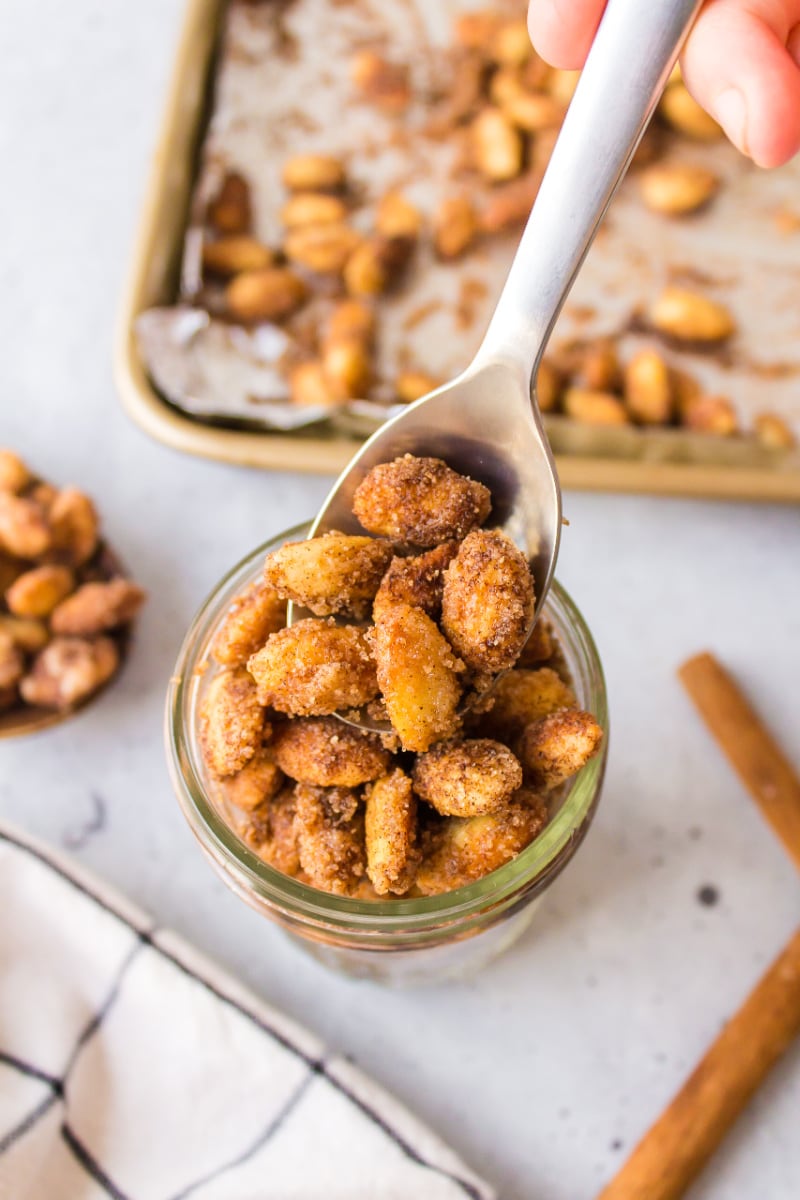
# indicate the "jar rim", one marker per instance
pixel 305 903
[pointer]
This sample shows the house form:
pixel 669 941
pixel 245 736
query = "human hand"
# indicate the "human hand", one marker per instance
pixel 741 62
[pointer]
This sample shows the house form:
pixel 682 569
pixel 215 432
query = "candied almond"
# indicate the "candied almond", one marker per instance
pixel 710 414
pixel 505 85
pixel 351 319
pixel 36 593
pixel 329 825
pixel 75 526
pixel 315 668
pixel 234 254
pixel 539 646
pixel 455 227
pixel 250 619
pixel 25 531
pixel 12 661
pixel 683 113
pixel 26 632
pixel 648 389
pixel 510 43
pixel 594 408
pixel 68 670
pixel 321 248
pixel 230 211
pixel 96 607
pixel 462 850
pixel 232 724
pixel 418 676
pixel 690 317
pixel 497 145
pixel 598 367
pixel 265 295
pixel 330 574
pixel 420 501
pixel 376 264
pixel 677 188
pixel 14 475
pixel 397 217
pixel 488 600
pixel 549 383
pixel 772 431
pixel 412 385
pixel 258 781
pixel 533 111
pixel 269 829
pixel 310 387
pixel 327 752
pixel 390 821
pixel 418 581
pixel 467 778
pixel 312 208
pixel 313 173
pixel 520 697
pixel 347 367
pixel 556 747
pixel 384 83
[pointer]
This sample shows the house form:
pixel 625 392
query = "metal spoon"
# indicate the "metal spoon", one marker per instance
pixel 486 423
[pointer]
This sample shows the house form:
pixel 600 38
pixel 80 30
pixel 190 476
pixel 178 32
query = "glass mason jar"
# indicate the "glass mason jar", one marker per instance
pixel 406 941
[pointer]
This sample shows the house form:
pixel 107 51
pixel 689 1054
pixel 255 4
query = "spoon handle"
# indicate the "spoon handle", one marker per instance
pixel 629 63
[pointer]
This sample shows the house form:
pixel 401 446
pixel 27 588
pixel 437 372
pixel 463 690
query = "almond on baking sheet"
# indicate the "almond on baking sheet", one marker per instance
pixel 230 210
pixel 510 203
pixel 309 386
pixel 683 113
pixel 351 319
pixel 772 431
pixel 397 217
pixel 690 317
pixel 411 385
pixel 533 111
pixel 455 227
pixel 231 255
pixel 313 173
pixel 376 264
pixel 710 414
pixel 347 367
pixel 496 145
pixel 648 389
pixel 677 188
pixel 312 208
pixel 384 83
pixel 594 408
pixel 323 248
pixel 266 295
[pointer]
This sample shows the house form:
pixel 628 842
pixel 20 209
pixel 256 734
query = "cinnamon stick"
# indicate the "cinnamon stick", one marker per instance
pixel 749 747
pixel 674 1150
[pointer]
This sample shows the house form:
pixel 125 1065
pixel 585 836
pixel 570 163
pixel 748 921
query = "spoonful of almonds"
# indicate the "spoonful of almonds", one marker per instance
pixel 485 425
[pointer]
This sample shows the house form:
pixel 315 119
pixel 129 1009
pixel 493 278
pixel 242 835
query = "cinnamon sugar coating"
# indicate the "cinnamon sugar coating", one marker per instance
pixel 336 573
pixel 391 833
pixel 326 752
pixel 555 748
pixel 467 778
pixel 232 723
pixel 487 603
pixel 314 668
pixel 520 697
pixel 329 824
pixel 249 621
pixel 418 581
pixel 420 501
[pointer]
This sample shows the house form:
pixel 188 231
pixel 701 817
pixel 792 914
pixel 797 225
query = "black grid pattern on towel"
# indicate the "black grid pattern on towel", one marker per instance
pixel 317 1067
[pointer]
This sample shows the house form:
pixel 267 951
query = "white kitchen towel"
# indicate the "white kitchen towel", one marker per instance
pixel 132 1067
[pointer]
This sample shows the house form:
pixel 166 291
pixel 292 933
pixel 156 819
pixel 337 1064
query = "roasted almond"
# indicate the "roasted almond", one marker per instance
pixel 313 173
pixel 475 29
pixel 772 431
pixel 683 113
pixel 455 227
pixel 36 593
pixel 411 385
pixel 677 188
pixel 14 475
pixel 312 208
pixel 496 146
pixel 648 389
pixel 266 295
pixel 690 317
pixel 351 319
pixel 711 414
pixel 510 203
pixel 376 264
pixel 598 367
pixel 230 211
pixel 231 255
pixel 534 111
pixel 348 368
pixel 594 408
pixel 561 85
pixel 309 386
pixel 510 44
pixel 322 248
pixel 397 217
pixel 382 82
pixel 505 85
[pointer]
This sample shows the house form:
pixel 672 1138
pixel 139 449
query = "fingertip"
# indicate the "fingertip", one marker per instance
pixel 562 31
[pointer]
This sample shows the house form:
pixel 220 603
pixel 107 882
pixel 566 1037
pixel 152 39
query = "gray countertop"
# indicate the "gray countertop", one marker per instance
pixel 544 1070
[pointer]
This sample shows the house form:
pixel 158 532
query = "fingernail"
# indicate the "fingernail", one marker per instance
pixel 730 110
